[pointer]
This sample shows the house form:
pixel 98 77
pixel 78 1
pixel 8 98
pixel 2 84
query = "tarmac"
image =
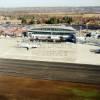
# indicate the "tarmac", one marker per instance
pixel 51 52
pixel 42 70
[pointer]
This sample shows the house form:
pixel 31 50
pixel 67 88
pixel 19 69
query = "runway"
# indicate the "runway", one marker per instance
pixel 79 73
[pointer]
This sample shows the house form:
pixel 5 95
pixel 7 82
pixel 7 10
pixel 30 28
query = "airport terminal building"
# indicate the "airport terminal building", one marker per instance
pixel 55 33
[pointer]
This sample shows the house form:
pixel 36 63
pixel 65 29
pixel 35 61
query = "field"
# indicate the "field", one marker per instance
pixel 60 14
pixel 15 88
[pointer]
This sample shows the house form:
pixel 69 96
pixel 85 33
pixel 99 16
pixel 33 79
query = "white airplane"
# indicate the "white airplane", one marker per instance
pixel 27 45
pixel 81 39
pixel 92 38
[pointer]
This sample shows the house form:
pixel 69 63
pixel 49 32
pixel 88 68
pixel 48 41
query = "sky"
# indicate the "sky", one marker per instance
pixel 47 3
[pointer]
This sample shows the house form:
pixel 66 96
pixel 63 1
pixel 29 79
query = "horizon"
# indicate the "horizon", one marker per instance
pixel 48 3
pixel 48 7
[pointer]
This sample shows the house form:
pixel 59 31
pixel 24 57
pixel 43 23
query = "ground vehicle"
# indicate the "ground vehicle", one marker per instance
pixel 95 51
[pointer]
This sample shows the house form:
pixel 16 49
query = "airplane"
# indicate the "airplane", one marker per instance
pixel 92 38
pixel 27 45
pixel 81 40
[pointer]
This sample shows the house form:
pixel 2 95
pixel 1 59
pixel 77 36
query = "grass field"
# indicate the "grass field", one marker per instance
pixel 15 88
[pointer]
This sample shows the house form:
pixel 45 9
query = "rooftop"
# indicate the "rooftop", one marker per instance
pixel 55 26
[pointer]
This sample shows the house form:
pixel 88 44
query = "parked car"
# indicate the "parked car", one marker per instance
pixel 95 51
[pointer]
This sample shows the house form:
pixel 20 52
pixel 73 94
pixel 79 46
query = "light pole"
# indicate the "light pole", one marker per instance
pixel 87 27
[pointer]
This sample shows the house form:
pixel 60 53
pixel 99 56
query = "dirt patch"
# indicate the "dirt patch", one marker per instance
pixel 18 88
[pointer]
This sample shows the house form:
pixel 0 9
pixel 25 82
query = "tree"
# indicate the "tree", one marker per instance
pixel 67 20
pixel 24 21
pixel 32 21
pixel 1 32
pixel 52 20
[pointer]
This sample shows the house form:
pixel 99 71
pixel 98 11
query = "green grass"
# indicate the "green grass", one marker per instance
pixel 84 94
pixel 87 94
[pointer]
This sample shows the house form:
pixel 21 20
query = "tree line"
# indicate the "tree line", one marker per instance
pixel 59 20
pixel 51 20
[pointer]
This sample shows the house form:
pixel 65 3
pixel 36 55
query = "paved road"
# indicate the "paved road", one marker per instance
pixel 51 70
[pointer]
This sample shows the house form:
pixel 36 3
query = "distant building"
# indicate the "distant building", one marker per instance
pixel 53 32
pixel 7 20
pixel 16 22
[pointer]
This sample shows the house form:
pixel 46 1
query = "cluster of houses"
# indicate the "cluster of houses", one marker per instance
pixel 11 27
pixel 12 30
pixel 8 20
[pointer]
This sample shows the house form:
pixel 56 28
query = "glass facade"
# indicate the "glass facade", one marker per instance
pixel 51 33
pixel 52 29
pixel 42 33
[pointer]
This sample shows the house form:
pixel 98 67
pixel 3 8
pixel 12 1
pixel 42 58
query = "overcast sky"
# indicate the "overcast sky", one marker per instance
pixel 48 3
